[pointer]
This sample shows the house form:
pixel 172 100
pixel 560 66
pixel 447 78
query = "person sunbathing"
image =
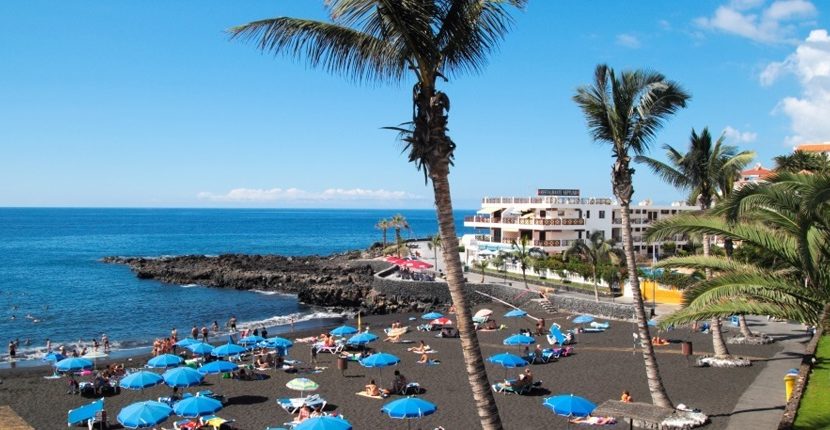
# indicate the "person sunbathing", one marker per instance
pixel 394 339
pixel 372 389
pixel 626 397
pixel 659 341
pixel 422 348
pixel 262 363
pixel 305 413
pixel 596 421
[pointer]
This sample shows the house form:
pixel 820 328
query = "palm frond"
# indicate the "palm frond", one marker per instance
pixel 666 172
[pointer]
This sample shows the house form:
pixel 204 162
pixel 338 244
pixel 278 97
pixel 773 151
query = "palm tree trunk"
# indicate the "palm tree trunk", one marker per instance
pixel 718 344
pixel 655 383
pixel 384 241
pixel 524 276
pixel 485 402
pixel 745 331
pixel 398 241
pixel 596 287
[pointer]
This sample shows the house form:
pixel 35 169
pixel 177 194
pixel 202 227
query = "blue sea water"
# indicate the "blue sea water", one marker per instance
pixel 53 284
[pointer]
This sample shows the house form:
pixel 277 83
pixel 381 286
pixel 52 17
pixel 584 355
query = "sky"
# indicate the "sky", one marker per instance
pixel 149 104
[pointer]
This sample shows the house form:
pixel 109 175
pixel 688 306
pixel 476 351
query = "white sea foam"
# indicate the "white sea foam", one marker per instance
pixel 190 285
pixel 272 293
pixel 287 319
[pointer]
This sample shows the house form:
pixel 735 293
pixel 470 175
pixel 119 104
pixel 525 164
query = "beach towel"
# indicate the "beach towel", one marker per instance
pixel 594 421
pixel 365 394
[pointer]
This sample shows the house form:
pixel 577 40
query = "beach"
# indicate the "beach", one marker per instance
pixel 602 366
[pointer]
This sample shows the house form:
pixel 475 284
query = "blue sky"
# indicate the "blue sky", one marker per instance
pixel 149 104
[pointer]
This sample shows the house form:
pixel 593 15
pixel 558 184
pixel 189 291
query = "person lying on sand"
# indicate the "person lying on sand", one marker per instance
pixel 422 348
pixel 594 421
pixel 659 341
pixel 373 390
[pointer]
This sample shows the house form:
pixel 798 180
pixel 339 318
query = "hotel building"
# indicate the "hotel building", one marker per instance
pixel 556 218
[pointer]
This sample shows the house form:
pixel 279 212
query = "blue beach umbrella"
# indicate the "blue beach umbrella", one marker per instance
pixel 251 340
pixel 218 366
pixel 73 364
pixel 408 408
pixel 196 406
pixel 362 339
pixel 519 339
pixel 515 313
pixel 182 377
pixel 200 348
pixel 164 361
pixel 277 342
pixel 53 357
pixel 508 361
pixel 140 380
pixel 583 319
pixel 569 405
pixel 144 414
pixel 227 350
pixel 324 423
pixel 432 316
pixel 186 341
pixel 343 330
pixel 380 360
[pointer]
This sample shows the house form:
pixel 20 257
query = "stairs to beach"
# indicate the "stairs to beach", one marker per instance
pixel 546 305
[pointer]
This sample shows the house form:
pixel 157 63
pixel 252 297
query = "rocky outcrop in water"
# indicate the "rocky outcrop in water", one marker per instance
pixel 338 281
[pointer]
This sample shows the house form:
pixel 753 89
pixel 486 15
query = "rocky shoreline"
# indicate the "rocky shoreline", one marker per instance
pixel 339 281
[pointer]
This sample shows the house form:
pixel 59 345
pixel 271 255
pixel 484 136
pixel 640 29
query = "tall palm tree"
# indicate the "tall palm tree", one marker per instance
pixel 800 161
pixel 787 219
pixel 383 225
pixel 428 40
pixel 595 251
pixel 626 111
pixel 521 252
pixel 434 245
pixel 399 222
pixel 707 172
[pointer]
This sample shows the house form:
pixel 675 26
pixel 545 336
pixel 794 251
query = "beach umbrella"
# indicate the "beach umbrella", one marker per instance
pixel 216 367
pixel 380 360
pixel 362 339
pixel 144 414
pixel 515 313
pixel 164 361
pixel 441 321
pixel 251 340
pixel 227 350
pixel 583 319
pixel 484 313
pixel 508 361
pixel 408 408
pixel 343 330
pixel 73 364
pixel 140 380
pixel 200 348
pixel 302 385
pixel 324 423
pixel 569 405
pixel 196 406
pixel 520 339
pixel 53 357
pixel 277 342
pixel 187 341
pixel 182 377
pixel 432 315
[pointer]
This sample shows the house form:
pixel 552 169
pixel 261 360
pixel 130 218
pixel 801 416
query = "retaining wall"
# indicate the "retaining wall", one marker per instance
pixel 617 311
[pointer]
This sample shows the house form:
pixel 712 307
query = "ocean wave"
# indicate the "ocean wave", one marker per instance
pixel 272 293
pixel 190 285
pixel 288 319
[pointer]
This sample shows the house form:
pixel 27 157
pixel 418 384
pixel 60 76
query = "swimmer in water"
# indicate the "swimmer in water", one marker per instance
pixel 13 318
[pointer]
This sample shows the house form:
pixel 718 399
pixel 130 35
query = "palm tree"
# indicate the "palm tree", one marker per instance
pixel 707 172
pixel 521 252
pixel 595 251
pixel 627 111
pixel 383 225
pixel 434 245
pixel 384 40
pixel 800 161
pixel 482 265
pixel 500 263
pixel 788 220
pixel 399 222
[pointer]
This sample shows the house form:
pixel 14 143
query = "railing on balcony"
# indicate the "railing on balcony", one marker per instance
pixel 477 219
pixel 526 221
pixel 546 200
pixel 483 237
pixel 634 221
pixel 547 243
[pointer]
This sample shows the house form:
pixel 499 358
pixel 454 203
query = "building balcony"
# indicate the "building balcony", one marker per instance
pixel 639 221
pixel 546 201
pixel 525 221
pixel 483 237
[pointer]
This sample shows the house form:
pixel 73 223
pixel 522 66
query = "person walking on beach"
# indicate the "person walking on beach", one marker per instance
pixel 205 333
pixel 194 332
pixel 12 350
pixel 264 332
pixel 174 335
pixel 106 341
pixel 232 323
pixel 48 345
pixel 215 326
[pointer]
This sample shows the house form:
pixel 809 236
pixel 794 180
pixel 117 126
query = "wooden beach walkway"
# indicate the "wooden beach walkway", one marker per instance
pixel 9 420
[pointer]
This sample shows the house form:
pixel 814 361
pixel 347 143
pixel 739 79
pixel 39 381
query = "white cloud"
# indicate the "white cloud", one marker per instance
pixel 251 195
pixel 628 40
pixel 748 18
pixel 810 64
pixel 734 135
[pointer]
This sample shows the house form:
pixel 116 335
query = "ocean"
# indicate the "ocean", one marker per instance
pixel 54 286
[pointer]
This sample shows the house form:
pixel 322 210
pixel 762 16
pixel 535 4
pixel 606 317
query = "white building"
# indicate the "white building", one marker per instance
pixel 555 218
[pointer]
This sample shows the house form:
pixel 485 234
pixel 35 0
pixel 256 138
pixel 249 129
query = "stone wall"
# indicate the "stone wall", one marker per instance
pixel 617 311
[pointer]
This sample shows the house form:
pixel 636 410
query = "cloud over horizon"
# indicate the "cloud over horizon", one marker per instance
pixel 259 195
pixel 749 18
pixel 810 64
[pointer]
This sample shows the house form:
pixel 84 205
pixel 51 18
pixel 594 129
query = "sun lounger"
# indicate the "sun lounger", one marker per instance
pixel 365 394
pixel 334 349
pixel 214 422
pixel 187 425
pixel 92 412
pixel 604 326
pixel 293 405
pixel 593 330
pixel 505 389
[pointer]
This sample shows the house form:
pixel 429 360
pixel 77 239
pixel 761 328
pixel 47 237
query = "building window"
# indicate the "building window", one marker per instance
pixel 664 211
pixel 587 214
pixel 601 214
